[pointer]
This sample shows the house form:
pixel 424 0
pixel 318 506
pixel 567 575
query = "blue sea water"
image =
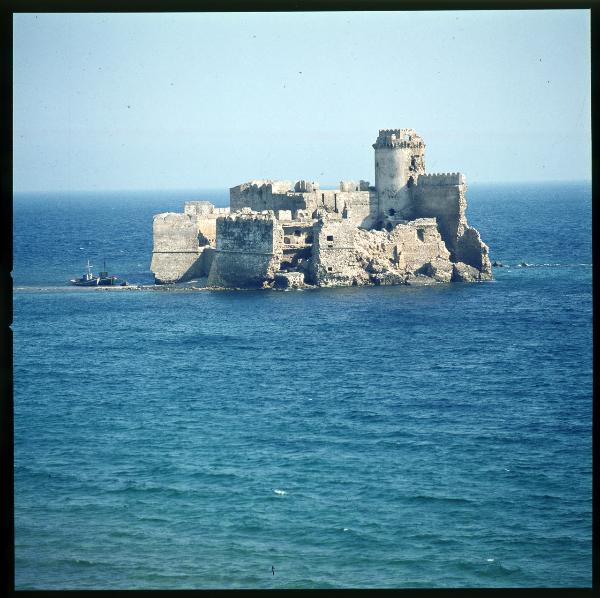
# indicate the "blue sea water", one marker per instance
pixel 385 437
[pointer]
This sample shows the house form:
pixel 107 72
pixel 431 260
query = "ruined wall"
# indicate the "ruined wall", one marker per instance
pixel 333 261
pixel 359 202
pixel 260 195
pixel 442 196
pixel 248 252
pixel 358 207
pixel 205 215
pixel 404 254
pixel 297 244
pixel 472 251
pixel 175 250
pixel 417 243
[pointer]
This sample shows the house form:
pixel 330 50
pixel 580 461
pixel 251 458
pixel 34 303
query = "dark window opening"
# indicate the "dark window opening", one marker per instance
pixel 388 226
pixel 323 198
pixel 392 212
pixel 297 232
pixel 330 268
pixel 286 239
pixel 421 234
pixel 330 237
pixel 411 182
pixel 309 238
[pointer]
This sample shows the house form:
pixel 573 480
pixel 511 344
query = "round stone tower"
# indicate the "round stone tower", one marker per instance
pixel 399 159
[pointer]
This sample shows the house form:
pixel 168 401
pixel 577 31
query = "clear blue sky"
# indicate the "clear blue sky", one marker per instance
pixel 185 101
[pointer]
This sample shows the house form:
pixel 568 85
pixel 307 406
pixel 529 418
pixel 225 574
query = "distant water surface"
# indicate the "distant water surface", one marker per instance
pixel 367 437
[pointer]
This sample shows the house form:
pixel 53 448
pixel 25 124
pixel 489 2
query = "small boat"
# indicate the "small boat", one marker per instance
pixel 102 280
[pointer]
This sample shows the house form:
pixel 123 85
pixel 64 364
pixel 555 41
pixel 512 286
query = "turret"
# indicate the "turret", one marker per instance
pixel 399 160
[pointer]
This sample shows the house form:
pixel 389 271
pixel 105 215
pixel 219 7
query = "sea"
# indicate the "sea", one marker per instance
pixel 383 437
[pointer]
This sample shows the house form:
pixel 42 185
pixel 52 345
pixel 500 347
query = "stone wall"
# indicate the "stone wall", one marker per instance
pixel 262 195
pixel 417 243
pixel 248 252
pixel 175 251
pixel 442 179
pixel 358 207
pixel 472 251
pixel 333 261
pixel 442 197
pixel 404 254
pixel 205 215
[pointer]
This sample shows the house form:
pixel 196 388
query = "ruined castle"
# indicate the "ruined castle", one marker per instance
pixel 409 228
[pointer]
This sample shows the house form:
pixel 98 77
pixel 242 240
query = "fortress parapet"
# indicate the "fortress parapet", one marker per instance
pixel 303 186
pixel 351 186
pixel 402 138
pixel 248 250
pixel 175 251
pixel 198 208
pixel 440 179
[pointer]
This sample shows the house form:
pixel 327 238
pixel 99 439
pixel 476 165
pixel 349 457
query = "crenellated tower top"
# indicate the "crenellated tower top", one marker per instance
pixel 403 138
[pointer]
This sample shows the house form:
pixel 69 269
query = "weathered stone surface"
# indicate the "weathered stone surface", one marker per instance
pixel 333 261
pixel 388 277
pixel 175 251
pixel 462 272
pixel 416 279
pixel 289 280
pixel 411 228
pixel 473 251
pixel 438 269
pixel 248 251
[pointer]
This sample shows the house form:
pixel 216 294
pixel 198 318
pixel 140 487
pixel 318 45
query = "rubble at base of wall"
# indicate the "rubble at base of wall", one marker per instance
pixel 462 272
pixel 289 280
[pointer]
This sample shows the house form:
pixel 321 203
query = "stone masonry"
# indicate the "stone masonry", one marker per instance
pixel 410 228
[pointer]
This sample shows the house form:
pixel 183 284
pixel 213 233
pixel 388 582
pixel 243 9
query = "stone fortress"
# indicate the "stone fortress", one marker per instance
pixel 409 228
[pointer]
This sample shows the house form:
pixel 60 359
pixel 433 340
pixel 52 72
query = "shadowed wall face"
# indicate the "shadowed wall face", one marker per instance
pixel 248 252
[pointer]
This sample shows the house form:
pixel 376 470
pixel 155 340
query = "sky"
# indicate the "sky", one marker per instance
pixel 118 101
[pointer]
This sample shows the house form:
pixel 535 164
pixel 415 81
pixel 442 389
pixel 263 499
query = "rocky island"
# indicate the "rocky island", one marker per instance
pixel 409 228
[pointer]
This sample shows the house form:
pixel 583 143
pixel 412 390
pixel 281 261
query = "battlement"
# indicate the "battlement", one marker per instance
pixel 441 179
pixel 200 208
pixel 249 214
pixel 398 138
pixel 256 184
pixel 173 219
pixel 204 209
pixel 303 186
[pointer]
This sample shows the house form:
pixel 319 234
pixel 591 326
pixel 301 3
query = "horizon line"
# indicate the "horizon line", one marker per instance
pixel 219 188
